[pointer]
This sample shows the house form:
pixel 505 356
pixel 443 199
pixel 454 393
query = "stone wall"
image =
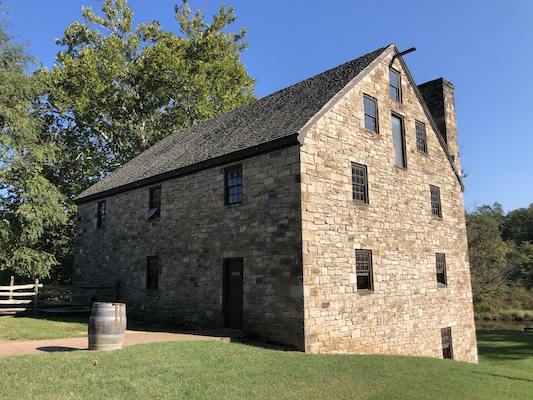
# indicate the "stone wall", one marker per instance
pixel 407 309
pixel 193 235
pixel 439 97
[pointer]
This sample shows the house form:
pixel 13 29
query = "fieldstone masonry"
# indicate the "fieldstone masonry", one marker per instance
pixel 192 237
pixel 297 230
pixel 407 309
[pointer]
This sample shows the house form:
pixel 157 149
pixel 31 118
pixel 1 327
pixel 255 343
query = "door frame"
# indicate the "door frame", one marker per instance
pixel 225 261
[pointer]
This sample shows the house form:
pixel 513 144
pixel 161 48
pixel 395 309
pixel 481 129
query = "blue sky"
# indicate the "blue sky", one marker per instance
pixel 484 47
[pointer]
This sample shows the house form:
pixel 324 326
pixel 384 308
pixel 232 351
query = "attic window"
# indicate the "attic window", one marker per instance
pixel 371 113
pixel 421 143
pixel 155 203
pixel 233 185
pixel 394 85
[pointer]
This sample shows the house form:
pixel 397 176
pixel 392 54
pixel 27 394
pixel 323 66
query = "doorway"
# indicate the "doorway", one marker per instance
pixel 233 298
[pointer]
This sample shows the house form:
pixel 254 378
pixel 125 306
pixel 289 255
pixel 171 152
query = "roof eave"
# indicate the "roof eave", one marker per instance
pixel 263 148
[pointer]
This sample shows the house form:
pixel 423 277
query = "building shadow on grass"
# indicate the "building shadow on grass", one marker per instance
pixel 505 345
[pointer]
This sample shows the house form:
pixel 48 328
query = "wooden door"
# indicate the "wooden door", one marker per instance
pixel 233 299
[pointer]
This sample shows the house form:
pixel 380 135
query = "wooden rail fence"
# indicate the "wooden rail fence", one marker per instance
pixel 47 299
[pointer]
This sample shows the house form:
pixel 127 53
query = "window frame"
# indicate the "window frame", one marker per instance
pixel 402 135
pixel 446 343
pixel 440 268
pixel 363 186
pixel 227 188
pixel 102 206
pixel 153 205
pixel 151 276
pixel 364 272
pixel 436 205
pixel 374 117
pixel 421 140
pixel 397 90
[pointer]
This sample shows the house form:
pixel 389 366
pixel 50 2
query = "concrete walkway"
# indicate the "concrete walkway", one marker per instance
pixel 131 338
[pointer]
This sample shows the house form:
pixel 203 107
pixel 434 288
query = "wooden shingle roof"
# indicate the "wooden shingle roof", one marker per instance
pixel 264 125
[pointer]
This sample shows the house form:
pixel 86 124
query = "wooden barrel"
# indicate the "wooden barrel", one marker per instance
pixel 107 326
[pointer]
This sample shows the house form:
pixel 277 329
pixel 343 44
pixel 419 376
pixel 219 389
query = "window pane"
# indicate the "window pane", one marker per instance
pixel 394 85
pixel 359 184
pixel 363 282
pixel 397 141
pixel 421 137
pixel 435 201
pixel 363 268
pixel 370 114
pixel 370 107
pixel 155 197
pixel 233 185
pixel 441 268
pixel 101 214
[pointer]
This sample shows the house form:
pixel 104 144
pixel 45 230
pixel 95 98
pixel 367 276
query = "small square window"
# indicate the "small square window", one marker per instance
pixel 441 268
pixel 363 269
pixel 435 201
pixel 371 113
pixel 446 340
pixel 154 209
pixel 152 273
pixel 233 185
pixel 100 216
pixel 394 85
pixel 421 143
pixel 359 183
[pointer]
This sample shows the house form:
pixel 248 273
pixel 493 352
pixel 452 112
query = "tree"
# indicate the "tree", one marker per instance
pixel 487 253
pixel 498 266
pixel 518 225
pixel 121 90
pixel 30 203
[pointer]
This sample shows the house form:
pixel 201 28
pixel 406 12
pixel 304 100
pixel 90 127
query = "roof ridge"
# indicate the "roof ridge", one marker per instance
pixel 257 126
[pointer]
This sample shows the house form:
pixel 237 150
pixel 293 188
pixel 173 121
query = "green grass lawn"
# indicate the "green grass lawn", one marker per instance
pixel 218 370
pixel 510 350
pixel 26 328
pixel 23 328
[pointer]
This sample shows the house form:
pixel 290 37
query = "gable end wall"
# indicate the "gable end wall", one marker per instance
pixel 407 309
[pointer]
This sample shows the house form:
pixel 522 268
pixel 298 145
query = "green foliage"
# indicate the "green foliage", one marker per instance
pixel 114 92
pixel 518 225
pixel 487 253
pixel 30 203
pixel 120 90
pixel 501 270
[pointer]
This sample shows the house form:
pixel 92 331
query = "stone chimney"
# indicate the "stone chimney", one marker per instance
pixel 438 95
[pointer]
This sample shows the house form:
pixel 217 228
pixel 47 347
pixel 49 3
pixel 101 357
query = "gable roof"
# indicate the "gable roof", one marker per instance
pixel 267 124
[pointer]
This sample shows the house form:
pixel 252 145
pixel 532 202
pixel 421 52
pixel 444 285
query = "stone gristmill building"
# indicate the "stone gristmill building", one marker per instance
pixel 327 216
